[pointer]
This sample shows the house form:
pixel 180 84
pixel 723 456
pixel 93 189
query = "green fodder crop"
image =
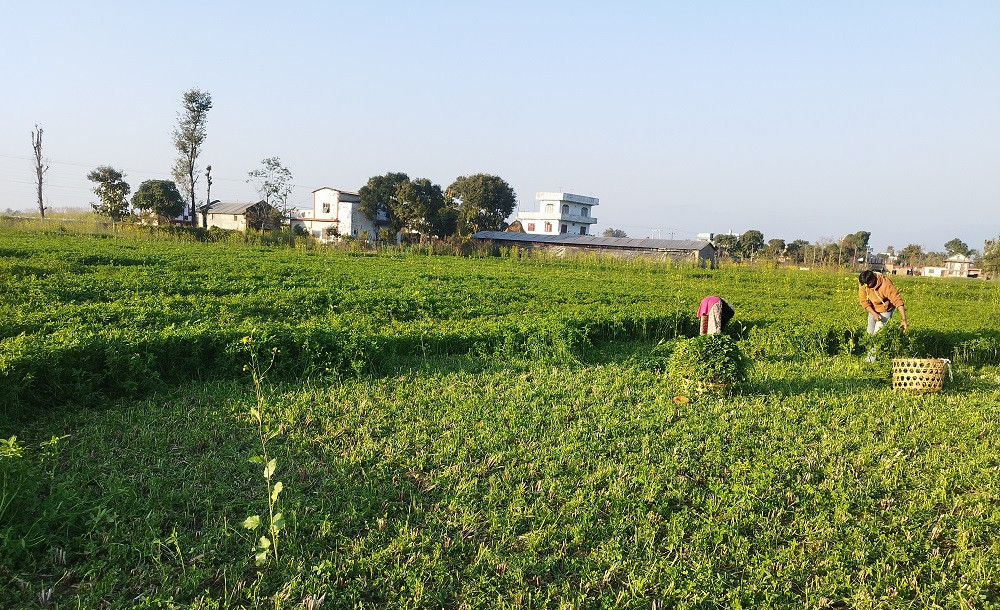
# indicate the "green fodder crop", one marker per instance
pixel 576 484
pixel 707 363
pixel 87 318
pixel 488 432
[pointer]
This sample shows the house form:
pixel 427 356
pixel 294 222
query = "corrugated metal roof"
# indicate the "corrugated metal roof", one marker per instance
pixel 594 240
pixel 230 207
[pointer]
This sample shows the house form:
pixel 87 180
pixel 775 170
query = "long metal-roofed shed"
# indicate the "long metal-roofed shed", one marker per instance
pixel 701 253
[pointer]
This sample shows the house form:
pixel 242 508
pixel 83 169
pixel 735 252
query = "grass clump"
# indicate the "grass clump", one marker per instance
pixel 708 363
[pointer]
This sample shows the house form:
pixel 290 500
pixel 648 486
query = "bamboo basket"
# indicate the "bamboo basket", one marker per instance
pixel 918 374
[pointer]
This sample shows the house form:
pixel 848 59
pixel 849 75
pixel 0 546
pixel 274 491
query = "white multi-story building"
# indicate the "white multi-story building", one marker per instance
pixel 334 213
pixel 560 213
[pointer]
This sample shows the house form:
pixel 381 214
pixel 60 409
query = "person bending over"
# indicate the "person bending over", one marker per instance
pixel 714 312
pixel 879 297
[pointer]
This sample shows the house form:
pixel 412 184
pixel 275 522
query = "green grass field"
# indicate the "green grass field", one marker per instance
pixel 477 433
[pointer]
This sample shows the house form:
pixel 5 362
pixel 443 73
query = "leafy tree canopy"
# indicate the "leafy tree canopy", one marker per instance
pixel 273 182
pixel 614 233
pixel 726 242
pixel 112 192
pixel 483 202
pixel 934 259
pixel 380 200
pixel 750 242
pixel 419 206
pixel 956 246
pixel 990 259
pixel 159 197
pixel 188 137
pixel 912 254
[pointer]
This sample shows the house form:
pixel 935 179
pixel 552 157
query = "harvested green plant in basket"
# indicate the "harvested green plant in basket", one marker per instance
pixel 708 363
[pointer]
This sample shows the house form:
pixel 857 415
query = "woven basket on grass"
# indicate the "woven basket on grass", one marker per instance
pixel 918 374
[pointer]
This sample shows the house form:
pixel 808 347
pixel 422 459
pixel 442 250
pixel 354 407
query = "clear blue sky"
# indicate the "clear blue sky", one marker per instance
pixel 800 119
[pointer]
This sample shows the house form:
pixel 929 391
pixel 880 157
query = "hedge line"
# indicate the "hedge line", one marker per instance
pixel 74 368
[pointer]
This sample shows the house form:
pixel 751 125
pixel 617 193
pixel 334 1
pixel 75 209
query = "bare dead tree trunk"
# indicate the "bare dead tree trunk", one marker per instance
pixel 208 199
pixel 194 219
pixel 40 168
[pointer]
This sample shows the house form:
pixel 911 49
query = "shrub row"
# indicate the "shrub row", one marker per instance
pixel 82 368
pixel 66 367
pixel 974 348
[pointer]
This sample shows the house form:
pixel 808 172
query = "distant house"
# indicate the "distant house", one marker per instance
pixel 334 213
pixel 700 253
pixel 877 262
pixel 258 215
pixel 560 214
pixel 957 265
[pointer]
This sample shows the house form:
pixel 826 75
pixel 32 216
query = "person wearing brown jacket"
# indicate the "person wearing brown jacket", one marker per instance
pixel 880 298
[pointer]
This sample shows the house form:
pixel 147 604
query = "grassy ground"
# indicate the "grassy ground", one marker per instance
pixel 468 484
pixel 467 433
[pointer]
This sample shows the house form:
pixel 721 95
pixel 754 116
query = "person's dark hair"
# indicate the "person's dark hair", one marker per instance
pixel 727 313
pixel 867 277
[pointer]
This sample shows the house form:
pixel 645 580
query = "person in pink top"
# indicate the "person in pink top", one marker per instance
pixel 714 313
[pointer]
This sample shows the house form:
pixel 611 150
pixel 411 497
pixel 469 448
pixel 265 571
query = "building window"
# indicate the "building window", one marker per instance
pixel 548 227
pixel 583 230
pixel 236 216
pixel 583 212
pixel 549 208
pixel 562 229
pixel 326 208
pixel 531 226
pixel 565 209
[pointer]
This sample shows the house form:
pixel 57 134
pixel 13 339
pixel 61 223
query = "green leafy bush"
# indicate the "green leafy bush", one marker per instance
pixel 708 363
pixel 889 342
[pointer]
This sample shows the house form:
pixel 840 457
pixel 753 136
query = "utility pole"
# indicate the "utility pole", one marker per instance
pixel 655 233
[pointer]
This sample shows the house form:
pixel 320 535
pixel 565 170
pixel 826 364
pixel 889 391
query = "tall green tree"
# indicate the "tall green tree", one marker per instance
pixel 727 243
pixel 861 240
pixel 833 254
pixel 911 255
pixel 614 233
pixel 956 246
pixel 419 206
pixel 159 197
pixel 847 244
pixel 750 242
pixel 990 258
pixel 273 182
pixel 112 193
pixel 775 247
pixel 797 250
pixel 934 259
pixel 380 200
pixel 483 201
pixel 189 135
